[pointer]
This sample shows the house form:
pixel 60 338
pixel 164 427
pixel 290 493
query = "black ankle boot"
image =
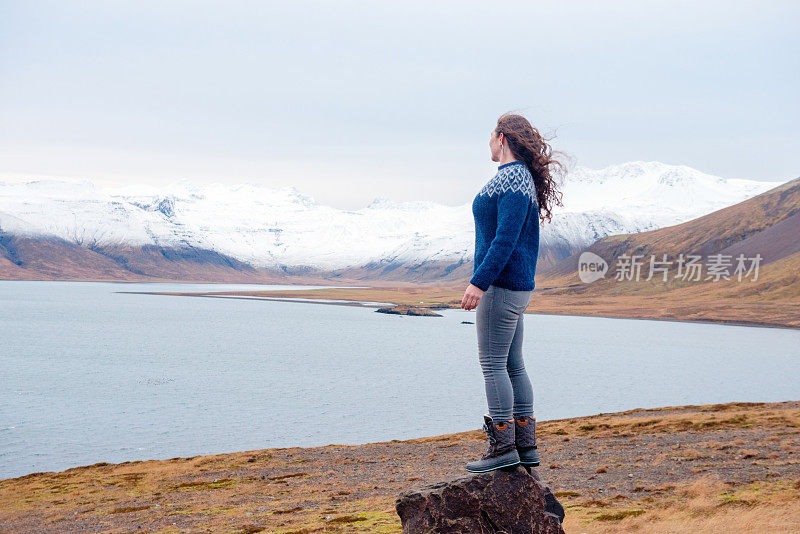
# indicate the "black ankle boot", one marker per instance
pixel 502 451
pixel 525 440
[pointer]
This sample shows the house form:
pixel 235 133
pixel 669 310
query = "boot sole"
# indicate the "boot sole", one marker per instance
pixel 492 468
pixel 534 464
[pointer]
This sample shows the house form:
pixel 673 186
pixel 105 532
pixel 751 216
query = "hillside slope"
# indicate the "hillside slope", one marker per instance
pixel 768 293
pixel 767 224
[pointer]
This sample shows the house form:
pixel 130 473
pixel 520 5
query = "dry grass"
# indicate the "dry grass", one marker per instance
pixel 706 505
pixel 675 469
pixel 677 419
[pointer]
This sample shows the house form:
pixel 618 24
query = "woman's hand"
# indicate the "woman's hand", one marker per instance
pixel 471 298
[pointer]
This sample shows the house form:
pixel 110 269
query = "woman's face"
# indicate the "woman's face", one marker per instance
pixel 494 145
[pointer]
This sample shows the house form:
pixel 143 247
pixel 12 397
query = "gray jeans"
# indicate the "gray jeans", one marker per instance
pixel 499 321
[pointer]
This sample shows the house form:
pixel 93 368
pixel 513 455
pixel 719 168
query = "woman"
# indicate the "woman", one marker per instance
pixel 507 212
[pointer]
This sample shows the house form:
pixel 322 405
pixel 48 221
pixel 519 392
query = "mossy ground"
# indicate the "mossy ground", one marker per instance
pixel 690 468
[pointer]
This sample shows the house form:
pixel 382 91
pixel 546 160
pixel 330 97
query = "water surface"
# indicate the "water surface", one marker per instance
pixel 89 374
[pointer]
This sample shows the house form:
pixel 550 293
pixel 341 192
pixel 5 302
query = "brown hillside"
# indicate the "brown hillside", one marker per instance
pixel 766 224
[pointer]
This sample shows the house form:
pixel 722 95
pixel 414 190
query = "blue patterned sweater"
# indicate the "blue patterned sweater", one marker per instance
pixel 506 230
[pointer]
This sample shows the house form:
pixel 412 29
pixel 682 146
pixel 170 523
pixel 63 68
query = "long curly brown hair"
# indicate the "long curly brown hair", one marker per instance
pixel 528 146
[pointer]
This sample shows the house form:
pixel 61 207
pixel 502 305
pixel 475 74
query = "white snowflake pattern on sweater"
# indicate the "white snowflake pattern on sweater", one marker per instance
pixel 514 177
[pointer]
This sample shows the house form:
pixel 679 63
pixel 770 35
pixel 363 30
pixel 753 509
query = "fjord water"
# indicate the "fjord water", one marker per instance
pixel 89 374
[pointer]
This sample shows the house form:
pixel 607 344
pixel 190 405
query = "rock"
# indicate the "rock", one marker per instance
pixel 402 309
pixel 510 501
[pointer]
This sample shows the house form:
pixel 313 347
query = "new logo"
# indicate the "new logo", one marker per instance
pixel 591 267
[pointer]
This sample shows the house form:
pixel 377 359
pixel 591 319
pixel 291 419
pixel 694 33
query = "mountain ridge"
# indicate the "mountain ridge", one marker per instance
pixel 281 230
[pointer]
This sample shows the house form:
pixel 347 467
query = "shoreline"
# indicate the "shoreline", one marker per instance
pixel 361 304
pixel 632 412
pixel 408 290
pixel 674 466
pixel 369 304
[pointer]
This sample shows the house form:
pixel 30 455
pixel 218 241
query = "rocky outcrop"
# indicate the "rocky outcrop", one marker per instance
pixel 403 309
pixel 511 501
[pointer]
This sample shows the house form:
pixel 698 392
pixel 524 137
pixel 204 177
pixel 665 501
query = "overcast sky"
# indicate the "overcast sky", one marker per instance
pixel 349 101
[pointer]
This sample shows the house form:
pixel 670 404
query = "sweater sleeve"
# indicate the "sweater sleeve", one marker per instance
pixel 512 207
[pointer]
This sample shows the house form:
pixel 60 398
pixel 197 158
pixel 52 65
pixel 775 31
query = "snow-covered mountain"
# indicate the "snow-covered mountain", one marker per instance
pixel 268 227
